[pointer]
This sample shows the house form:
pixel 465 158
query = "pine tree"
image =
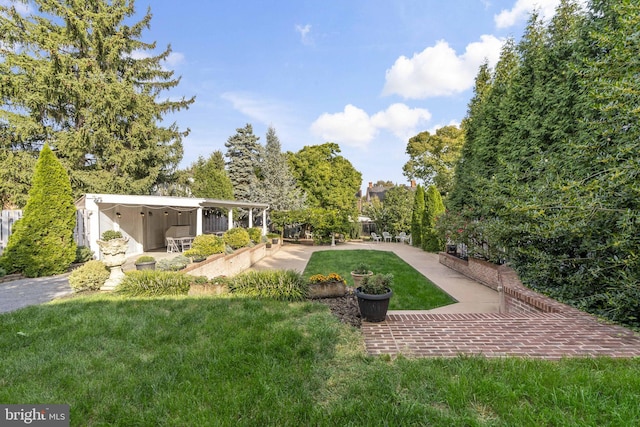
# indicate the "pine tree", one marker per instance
pixel 278 186
pixel 416 217
pixel 244 155
pixel 42 242
pixel 72 75
pixel 210 179
pixel 433 209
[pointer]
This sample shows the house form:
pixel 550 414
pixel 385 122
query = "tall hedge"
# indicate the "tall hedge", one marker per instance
pixel 416 217
pixel 433 208
pixel 42 242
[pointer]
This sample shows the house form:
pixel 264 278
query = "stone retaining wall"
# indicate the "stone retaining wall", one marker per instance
pixel 515 297
pixel 230 265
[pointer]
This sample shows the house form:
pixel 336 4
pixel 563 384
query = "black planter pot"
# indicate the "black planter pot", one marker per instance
pixel 373 308
pixel 452 249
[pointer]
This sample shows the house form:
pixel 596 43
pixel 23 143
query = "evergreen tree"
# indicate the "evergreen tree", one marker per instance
pixel 72 75
pixel 433 209
pixel 416 216
pixel 42 241
pixel 244 156
pixel 210 179
pixel 278 186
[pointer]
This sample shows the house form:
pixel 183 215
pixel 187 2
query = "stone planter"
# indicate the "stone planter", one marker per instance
pixel 333 289
pixel 357 278
pixel 208 289
pixel 113 255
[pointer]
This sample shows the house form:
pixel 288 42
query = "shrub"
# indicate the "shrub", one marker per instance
pixel 149 283
pixel 83 254
pixel 172 264
pixel 362 268
pixel 144 259
pixel 110 235
pixel 376 284
pixel 255 234
pixel 89 277
pixel 283 285
pixel 42 241
pixel 236 238
pixel 205 245
pixel 195 255
pixel 3 272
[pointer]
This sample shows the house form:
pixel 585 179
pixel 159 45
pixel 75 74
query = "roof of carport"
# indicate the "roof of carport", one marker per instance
pixel 166 201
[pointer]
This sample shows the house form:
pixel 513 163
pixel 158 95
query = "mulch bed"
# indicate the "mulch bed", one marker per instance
pixel 344 308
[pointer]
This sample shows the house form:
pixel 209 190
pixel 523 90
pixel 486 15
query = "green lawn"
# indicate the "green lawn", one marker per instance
pixel 411 290
pixel 187 361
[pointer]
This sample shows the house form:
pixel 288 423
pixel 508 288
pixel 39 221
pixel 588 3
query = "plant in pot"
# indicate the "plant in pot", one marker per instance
pixel 361 271
pixel 373 296
pixel 114 248
pixel 145 262
pixel 331 286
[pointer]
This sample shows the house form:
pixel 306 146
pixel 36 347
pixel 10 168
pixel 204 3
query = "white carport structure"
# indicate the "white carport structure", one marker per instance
pixel 145 219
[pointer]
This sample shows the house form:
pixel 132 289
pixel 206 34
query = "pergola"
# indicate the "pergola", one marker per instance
pixel 145 219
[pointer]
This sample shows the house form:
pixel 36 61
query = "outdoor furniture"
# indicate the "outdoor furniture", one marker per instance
pixel 185 242
pixel 375 237
pixel 179 244
pixel 308 235
pixel 401 237
pixel 172 245
pixel 387 236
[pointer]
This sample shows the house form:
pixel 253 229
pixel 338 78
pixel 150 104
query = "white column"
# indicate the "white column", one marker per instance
pixel 199 222
pixel 250 218
pixel 94 225
pixel 230 217
pixel 264 222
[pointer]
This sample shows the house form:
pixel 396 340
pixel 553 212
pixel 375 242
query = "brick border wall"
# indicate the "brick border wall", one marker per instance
pixel 515 298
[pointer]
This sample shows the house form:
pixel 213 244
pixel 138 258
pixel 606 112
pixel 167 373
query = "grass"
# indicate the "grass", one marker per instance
pixel 411 290
pixel 184 361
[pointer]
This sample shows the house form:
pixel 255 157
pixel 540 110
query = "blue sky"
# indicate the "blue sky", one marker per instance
pixel 365 74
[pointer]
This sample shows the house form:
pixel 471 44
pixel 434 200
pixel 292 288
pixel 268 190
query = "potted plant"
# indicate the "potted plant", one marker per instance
pixel 374 295
pixel 145 262
pixel 114 249
pixel 331 286
pixel 361 271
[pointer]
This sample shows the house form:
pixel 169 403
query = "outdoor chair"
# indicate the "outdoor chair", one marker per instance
pixel 401 237
pixel 375 237
pixel 172 245
pixel 387 236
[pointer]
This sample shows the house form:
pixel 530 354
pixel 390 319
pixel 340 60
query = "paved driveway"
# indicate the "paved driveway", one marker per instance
pixel 24 292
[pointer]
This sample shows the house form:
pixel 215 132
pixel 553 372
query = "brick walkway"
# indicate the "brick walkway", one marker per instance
pixel 544 335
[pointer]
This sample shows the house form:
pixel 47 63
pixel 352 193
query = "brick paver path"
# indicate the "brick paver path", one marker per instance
pixel 544 335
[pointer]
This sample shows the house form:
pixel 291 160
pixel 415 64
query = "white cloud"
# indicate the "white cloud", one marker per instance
pixel 439 71
pixel 305 33
pixel 521 11
pixel 401 120
pixel 174 58
pixel 354 127
pixel 263 110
